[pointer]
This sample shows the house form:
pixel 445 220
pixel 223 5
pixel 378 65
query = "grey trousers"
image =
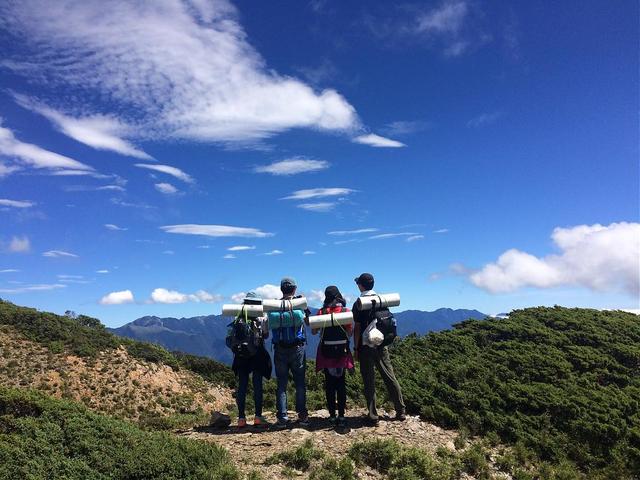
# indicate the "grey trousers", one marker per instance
pixel 378 358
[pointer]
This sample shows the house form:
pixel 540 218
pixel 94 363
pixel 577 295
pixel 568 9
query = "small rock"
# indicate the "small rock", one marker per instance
pixel 219 420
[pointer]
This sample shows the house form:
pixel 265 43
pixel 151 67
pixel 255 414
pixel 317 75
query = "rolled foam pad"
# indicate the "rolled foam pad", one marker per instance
pixel 284 305
pixel 322 321
pixel 386 300
pixel 232 310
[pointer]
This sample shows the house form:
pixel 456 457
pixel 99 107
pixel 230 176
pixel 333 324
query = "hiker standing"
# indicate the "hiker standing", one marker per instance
pixel 288 337
pixel 250 357
pixel 334 356
pixel 371 357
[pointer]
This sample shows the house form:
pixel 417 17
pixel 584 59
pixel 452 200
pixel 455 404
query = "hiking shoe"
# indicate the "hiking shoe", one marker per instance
pixel 400 417
pixel 341 422
pixel 332 420
pixel 371 422
pixel 281 424
pixel 260 420
pixel 242 422
pixel 303 420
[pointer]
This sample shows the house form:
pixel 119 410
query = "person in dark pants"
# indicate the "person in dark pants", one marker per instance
pixel 334 356
pixel 372 358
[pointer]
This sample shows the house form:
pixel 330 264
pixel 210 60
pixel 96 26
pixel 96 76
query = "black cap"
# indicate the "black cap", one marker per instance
pixel 366 280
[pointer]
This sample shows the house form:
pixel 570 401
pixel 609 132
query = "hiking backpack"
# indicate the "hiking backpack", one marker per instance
pixel 334 341
pixel 245 336
pixel 385 322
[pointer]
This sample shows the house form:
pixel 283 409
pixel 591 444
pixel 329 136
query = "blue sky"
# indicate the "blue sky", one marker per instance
pixel 469 154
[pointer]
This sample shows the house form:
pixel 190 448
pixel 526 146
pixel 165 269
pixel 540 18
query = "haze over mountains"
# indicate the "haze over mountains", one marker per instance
pixel 205 335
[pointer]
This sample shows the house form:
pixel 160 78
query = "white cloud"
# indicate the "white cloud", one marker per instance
pixel 9 270
pixel 16 203
pixel 34 156
pixel 111 226
pixel 216 231
pixel 168 252
pixel 58 254
pixel 116 188
pixel 102 132
pixel 405 127
pixel 267 291
pixel 205 247
pixel 240 248
pixel 448 18
pixel 186 70
pixel 442 230
pixel 292 166
pixel 19 245
pixel 166 188
pixel 597 257
pixel 352 232
pixel 70 277
pixel 351 240
pixel 102 271
pixel 169 170
pixel 238 297
pixel 33 288
pixel 318 193
pixel 162 295
pixel 317 207
pixel 484 119
pixel 377 141
pixel 315 296
pixel 308 252
pixel 392 235
pixel 413 238
pixel 229 256
pixel 274 252
pixel 117 298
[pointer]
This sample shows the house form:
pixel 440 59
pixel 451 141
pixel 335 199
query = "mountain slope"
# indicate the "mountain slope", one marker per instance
pixel 205 335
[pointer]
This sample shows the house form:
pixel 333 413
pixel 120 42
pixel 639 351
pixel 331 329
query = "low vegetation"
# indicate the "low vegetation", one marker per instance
pixel 41 437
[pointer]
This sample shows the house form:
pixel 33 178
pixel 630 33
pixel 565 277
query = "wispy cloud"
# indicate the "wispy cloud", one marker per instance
pixel 111 226
pixel 240 248
pixel 441 230
pixel 32 288
pixel 9 270
pixel 229 256
pixel 318 193
pixel 188 82
pixel 19 245
pixel 33 156
pixel 4 202
pixel 392 235
pixel 377 141
pixel 414 238
pixel 59 254
pixel 274 252
pixel 308 252
pixel 292 166
pixel 117 298
pixel 162 295
pixel 352 232
pixel 318 206
pixel 102 132
pixel 484 119
pixel 405 127
pixel 215 230
pixel 169 170
pixel 103 271
pixel 166 188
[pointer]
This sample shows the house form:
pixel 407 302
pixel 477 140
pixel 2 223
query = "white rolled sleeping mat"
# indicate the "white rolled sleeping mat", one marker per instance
pixel 284 305
pixel 232 310
pixel 382 301
pixel 331 320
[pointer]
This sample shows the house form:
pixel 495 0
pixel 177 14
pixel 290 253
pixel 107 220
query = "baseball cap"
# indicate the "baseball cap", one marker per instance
pixel 288 282
pixel 365 279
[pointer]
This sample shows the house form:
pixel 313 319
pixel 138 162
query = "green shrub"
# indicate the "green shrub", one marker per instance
pixel 332 469
pixel 299 458
pixel 41 437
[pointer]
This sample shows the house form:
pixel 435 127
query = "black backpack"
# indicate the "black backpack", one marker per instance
pixel 245 337
pixel 385 322
pixel 334 342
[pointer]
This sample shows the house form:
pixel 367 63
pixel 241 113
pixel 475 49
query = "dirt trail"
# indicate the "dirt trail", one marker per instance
pixel 250 446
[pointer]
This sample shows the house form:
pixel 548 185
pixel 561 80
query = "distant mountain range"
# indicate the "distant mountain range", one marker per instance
pixel 205 335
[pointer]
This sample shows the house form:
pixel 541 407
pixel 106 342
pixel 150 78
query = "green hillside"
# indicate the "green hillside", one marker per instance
pixel 41 437
pixel 562 383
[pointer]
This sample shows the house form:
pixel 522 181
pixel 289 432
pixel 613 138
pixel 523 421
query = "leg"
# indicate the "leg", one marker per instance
pixel 330 391
pixel 369 379
pixel 282 372
pixel 298 368
pixel 241 392
pixel 257 392
pixel 341 389
pixel 383 363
